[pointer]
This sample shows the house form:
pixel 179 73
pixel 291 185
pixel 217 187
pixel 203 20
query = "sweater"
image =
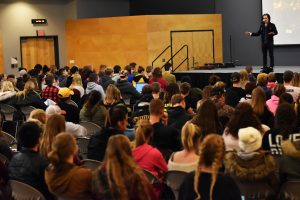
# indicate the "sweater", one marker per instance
pixel 273 103
pixel 94 86
pixel 97 115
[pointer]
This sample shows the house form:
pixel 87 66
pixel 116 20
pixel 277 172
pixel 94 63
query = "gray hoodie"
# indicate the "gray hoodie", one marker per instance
pixel 94 86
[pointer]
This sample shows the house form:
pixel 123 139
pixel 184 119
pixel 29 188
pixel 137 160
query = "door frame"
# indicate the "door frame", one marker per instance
pixel 208 30
pixel 56 47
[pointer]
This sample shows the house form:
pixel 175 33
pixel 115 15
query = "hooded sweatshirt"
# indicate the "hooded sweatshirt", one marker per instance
pixel 149 158
pixel 177 117
pixel 72 182
pixel 94 86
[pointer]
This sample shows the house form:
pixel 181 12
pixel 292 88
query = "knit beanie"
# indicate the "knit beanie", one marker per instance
pixel 250 139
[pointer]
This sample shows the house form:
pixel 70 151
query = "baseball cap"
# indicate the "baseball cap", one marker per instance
pixel 54 109
pixel 65 92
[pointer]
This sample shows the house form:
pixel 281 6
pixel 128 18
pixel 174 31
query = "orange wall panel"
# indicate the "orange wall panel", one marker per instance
pixel 1 55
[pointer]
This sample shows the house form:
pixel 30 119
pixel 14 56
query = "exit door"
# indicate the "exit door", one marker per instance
pixel 200 48
pixel 39 50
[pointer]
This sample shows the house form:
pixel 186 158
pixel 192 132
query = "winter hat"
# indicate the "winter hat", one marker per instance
pixel 250 139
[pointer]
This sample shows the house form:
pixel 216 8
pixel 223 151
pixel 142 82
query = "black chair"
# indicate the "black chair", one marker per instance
pixel 73 103
pixel 11 141
pixel 255 190
pixel 22 191
pixel 8 111
pixel 91 164
pixel 26 110
pixel 82 143
pixel 151 177
pixel 91 127
pixel 174 179
pixel 291 188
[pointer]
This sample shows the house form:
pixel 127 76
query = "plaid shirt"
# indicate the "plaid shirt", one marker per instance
pixel 50 92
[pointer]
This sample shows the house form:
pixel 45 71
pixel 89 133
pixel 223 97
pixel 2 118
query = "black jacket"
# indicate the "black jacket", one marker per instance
pixel 98 142
pixel 28 166
pixel 72 112
pixel 127 88
pixel 32 98
pixel 106 81
pixel 265 30
pixel 177 117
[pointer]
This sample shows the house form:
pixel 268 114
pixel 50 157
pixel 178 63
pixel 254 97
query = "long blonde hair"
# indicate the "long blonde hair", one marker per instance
pixel 55 124
pixel 190 136
pixel 77 81
pixel 113 95
pixel 7 86
pixel 29 85
pixel 123 174
pixel 244 77
pixel 258 101
pixel 211 154
pixel 296 79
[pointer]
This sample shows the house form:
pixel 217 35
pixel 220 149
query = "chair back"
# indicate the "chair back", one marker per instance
pixel 82 143
pixel 151 177
pixel 22 191
pixel 4 160
pixel 126 98
pixel 91 164
pixel 8 111
pixel 91 127
pixel 291 188
pixel 174 179
pixel 255 190
pixel 71 102
pixel 11 141
pixel 26 110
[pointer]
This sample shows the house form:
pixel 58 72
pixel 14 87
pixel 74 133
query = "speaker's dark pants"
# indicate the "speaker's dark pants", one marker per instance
pixel 265 48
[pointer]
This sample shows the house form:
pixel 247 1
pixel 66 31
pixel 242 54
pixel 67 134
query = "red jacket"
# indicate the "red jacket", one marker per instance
pixel 151 159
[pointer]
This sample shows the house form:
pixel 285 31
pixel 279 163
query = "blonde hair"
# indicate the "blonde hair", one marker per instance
pixel 211 153
pixel 190 136
pixel 123 173
pixel 76 81
pixel 38 114
pixel 219 84
pixel 258 101
pixel 244 75
pixel 29 85
pixel 143 133
pixel 296 79
pixel 55 124
pixel 7 86
pixel 113 95
pixel 262 79
pixel 63 146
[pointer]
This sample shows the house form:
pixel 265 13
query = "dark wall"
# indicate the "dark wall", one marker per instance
pixel 102 8
pixel 150 7
pixel 244 15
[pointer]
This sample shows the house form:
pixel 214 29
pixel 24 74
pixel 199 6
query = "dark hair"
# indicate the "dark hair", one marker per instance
pixel 29 134
pixel 74 69
pixel 116 114
pixel 288 76
pixel 156 107
pixel 213 79
pixel 117 69
pixel 108 71
pixel 268 15
pixel 132 64
pixel 157 73
pixel 243 117
pixel 11 76
pixel 286 98
pixel 22 68
pixel 45 69
pixel 149 69
pixel 249 87
pixel 207 118
pixel 285 120
pixel 155 87
pixel 279 90
pixel 177 98
pixel 147 89
pixel 49 79
pixel 93 100
pixel 93 77
pixel 249 69
pixel 141 69
pixel 128 69
pixel 61 71
pixel 33 72
pixel 185 88
pixel 172 89
pixel 38 67
pixel 167 66
pixel 186 79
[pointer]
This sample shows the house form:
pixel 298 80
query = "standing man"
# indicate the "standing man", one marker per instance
pixel 267 31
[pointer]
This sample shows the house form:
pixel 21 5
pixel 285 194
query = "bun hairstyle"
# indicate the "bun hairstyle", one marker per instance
pixel 211 154
pixel 190 136
pixel 143 132
pixel 63 146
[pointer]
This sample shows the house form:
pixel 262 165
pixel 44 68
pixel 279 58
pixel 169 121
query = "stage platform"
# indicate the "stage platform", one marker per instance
pixel 200 77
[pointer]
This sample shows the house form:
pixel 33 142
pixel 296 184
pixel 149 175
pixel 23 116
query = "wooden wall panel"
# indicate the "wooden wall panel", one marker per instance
pixel 121 40
pixel 1 56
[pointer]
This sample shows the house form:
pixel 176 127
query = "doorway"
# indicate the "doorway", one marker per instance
pixel 200 44
pixel 42 50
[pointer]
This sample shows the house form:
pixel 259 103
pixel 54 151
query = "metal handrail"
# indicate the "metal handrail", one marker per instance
pixel 186 59
pixel 161 54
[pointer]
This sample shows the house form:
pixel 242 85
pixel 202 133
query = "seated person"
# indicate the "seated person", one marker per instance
pixel 28 165
pixel 50 92
pixel 177 115
pixel 127 89
pixel 236 92
pixel 72 112
pixel 187 159
pixel 63 177
pixel 117 124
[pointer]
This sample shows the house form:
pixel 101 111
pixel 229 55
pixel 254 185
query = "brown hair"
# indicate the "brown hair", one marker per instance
pixel 172 88
pixel 177 98
pixel 123 174
pixel 38 114
pixel 271 77
pixel 155 87
pixel 258 101
pixel 63 146
pixel 190 136
pixel 113 95
pixel 296 79
pixel 211 154
pixel 143 132
pixel 279 90
pixel 156 107
pixel 55 124
pixel 185 88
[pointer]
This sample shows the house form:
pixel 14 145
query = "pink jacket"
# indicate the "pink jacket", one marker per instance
pixel 149 158
pixel 273 103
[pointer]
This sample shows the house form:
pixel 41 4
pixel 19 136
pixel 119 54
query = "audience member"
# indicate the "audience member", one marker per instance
pixel 234 93
pixel 205 95
pixel 157 77
pixel 190 103
pixel 38 116
pixel 251 76
pixel 286 98
pixel 243 117
pixel 146 156
pixel 63 177
pixel 262 81
pixel 170 78
pixel 62 77
pixel 4 147
pixel 106 80
pixel 93 110
pixel 113 97
pixel 271 81
pixel 117 124
pixel 116 74
pixel 93 84
pixel 206 182
pixel 171 90
pixel 156 91
pixel 7 92
pixel 128 72
pixel 187 159
pixel 28 165
pixel 250 86
pixel 244 78
pixel 296 79
pixel 273 103
pixel 73 70
pixel 120 177
pixel 77 84
pixel 207 119
pixel 141 77
pixel 72 111
pixel 50 92
pixel 127 89
pixel 213 79
pixel 287 79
